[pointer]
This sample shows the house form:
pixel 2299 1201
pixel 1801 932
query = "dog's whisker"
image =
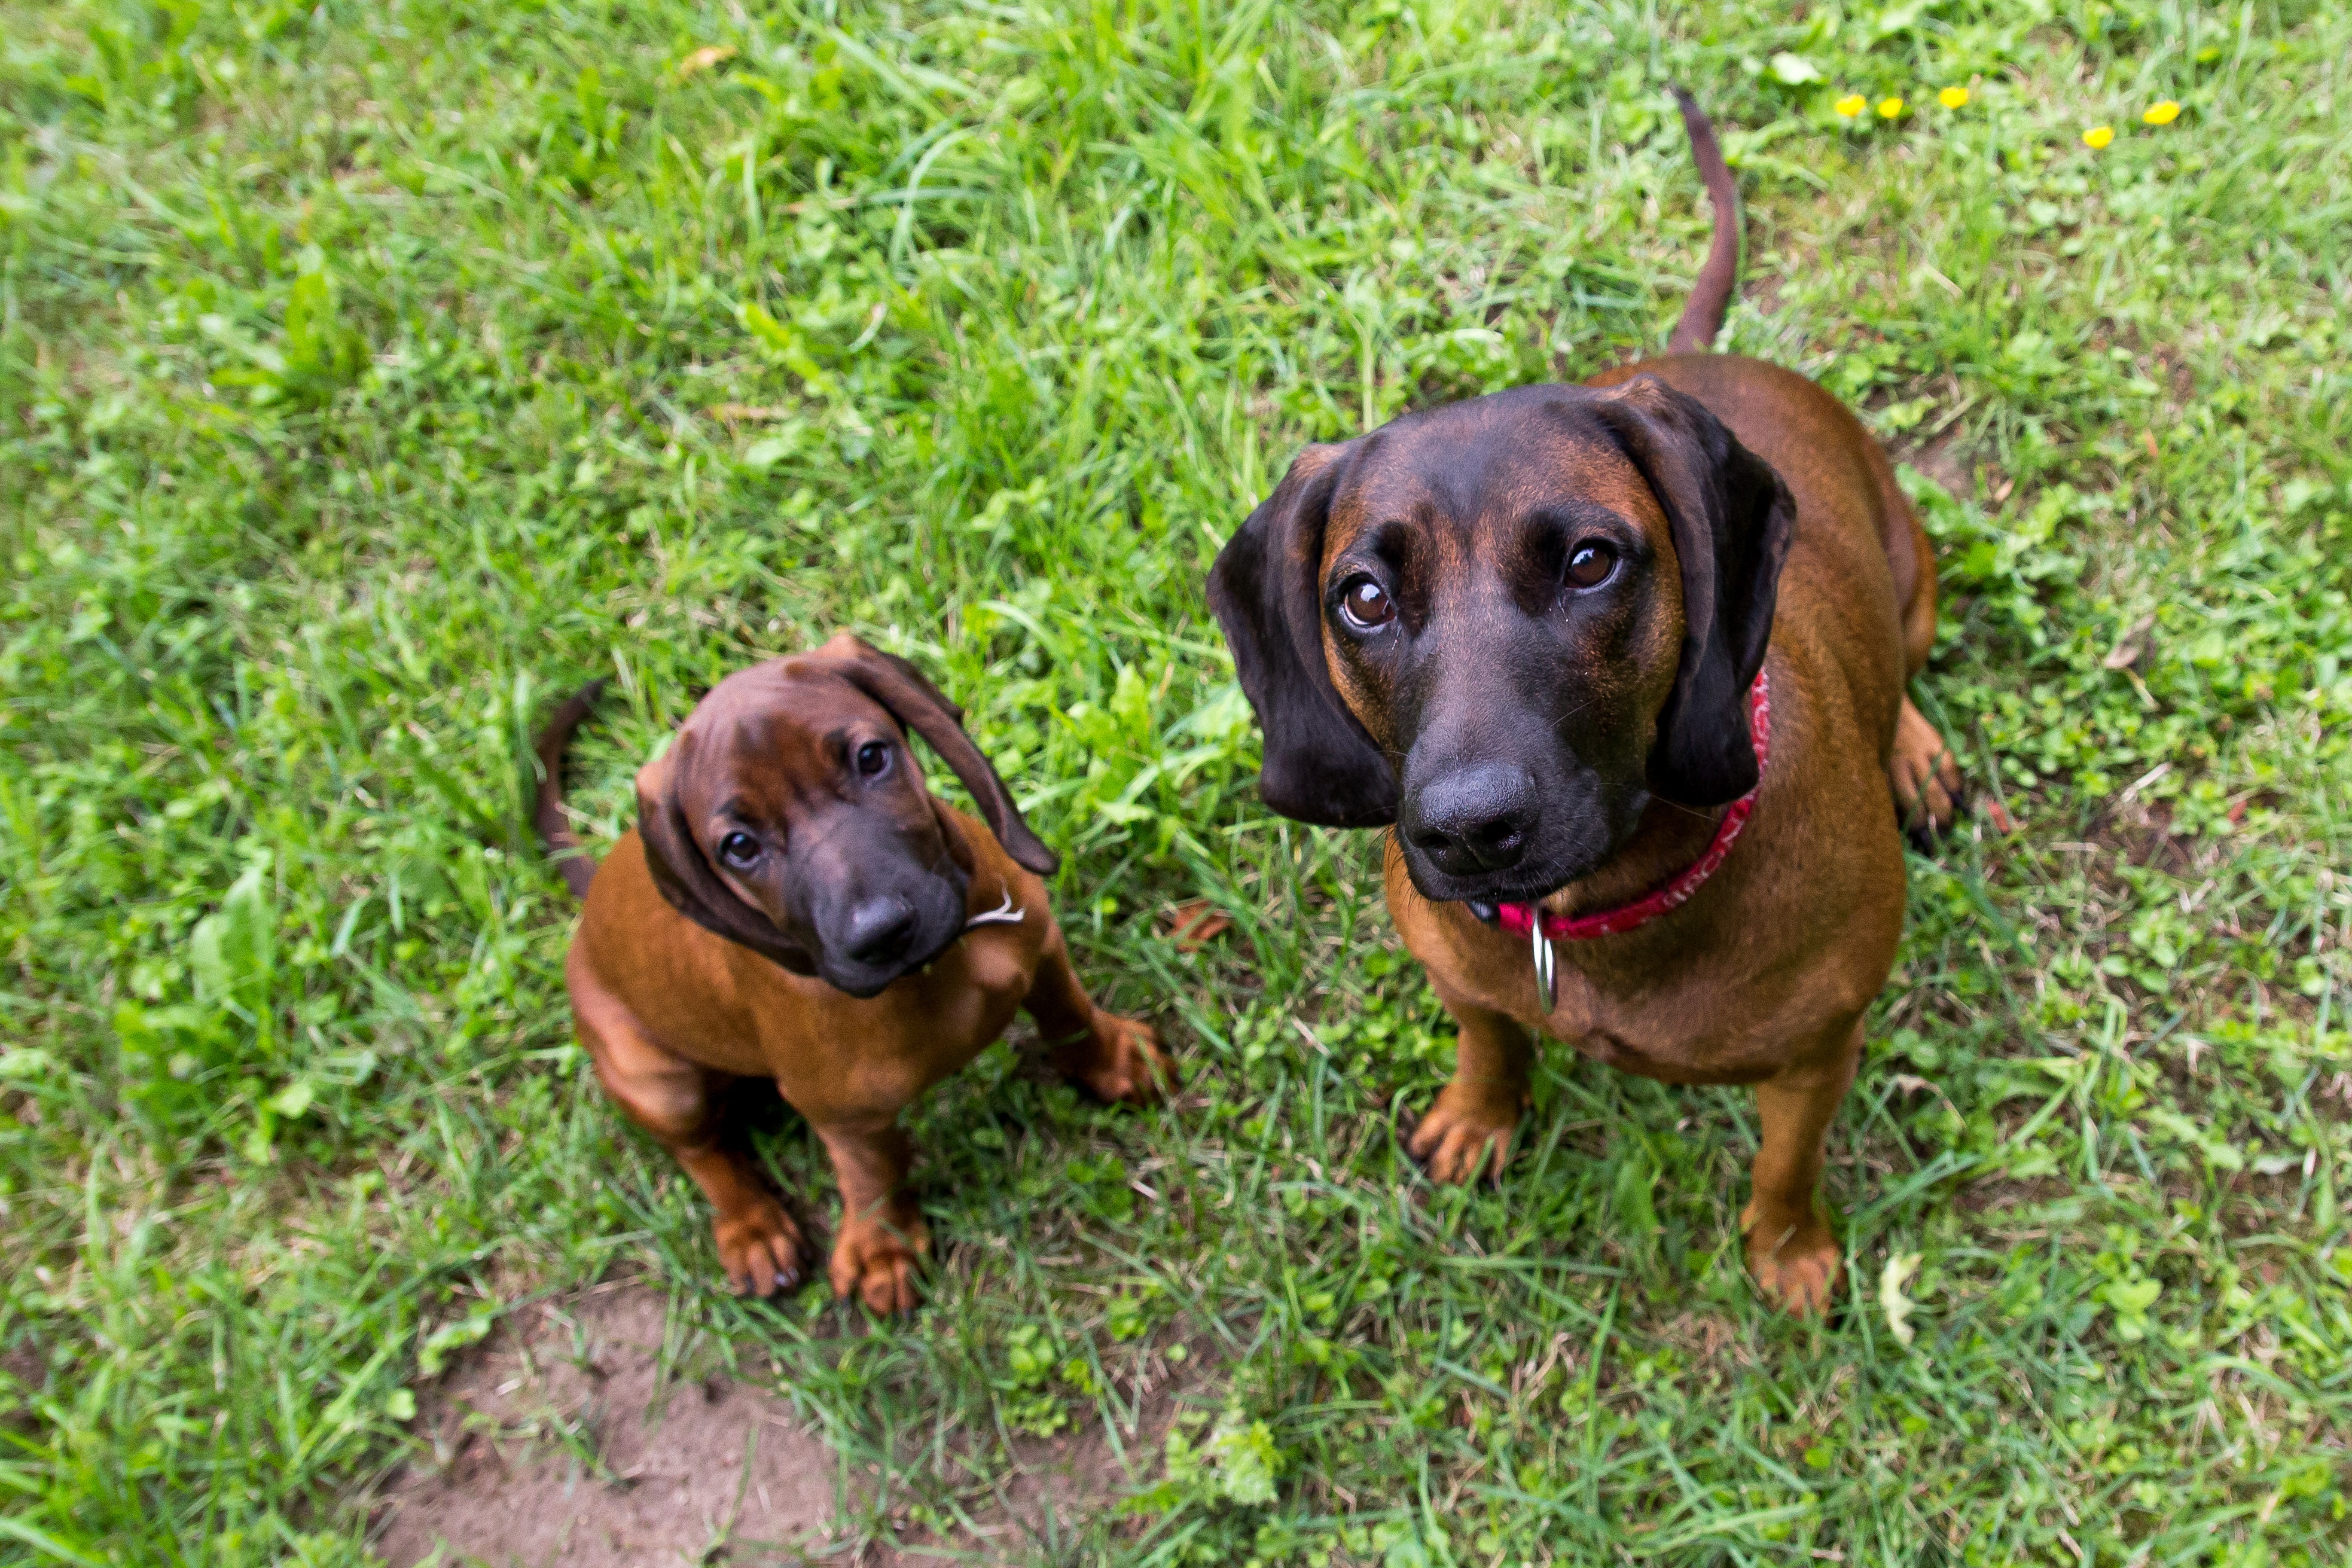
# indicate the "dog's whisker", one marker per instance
pixel 1563 717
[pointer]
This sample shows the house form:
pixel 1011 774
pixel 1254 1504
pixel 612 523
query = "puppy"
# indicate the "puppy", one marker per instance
pixel 794 904
pixel 1622 668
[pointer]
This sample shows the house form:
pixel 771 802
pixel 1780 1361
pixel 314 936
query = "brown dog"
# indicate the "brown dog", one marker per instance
pixel 794 905
pixel 1526 630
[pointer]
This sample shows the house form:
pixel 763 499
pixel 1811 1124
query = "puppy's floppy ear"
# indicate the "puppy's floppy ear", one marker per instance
pixel 921 707
pixel 1321 766
pixel 1730 516
pixel 687 879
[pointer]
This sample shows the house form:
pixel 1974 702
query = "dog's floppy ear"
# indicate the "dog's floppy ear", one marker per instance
pixel 1321 765
pixel 1730 517
pixel 921 707
pixel 685 879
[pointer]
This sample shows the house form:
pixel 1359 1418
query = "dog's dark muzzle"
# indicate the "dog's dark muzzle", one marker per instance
pixel 1476 821
pixel 1489 831
pixel 882 934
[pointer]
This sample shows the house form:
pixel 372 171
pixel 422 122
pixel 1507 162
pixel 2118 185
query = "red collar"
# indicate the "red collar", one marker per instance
pixel 1519 919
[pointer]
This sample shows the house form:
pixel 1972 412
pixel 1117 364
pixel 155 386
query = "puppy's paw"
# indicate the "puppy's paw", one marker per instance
pixel 1119 1062
pixel 1926 779
pixel 759 1247
pixel 877 1260
pixel 1466 1136
pixel 1797 1264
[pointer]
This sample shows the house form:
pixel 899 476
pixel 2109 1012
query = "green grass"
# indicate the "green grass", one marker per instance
pixel 370 374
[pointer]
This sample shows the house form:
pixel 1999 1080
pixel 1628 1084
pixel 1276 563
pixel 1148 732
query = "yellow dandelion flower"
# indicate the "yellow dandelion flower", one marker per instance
pixel 1851 104
pixel 1888 108
pixel 2098 136
pixel 1953 97
pixel 2163 113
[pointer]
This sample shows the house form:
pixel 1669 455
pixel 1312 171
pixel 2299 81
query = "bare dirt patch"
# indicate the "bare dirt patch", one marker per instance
pixel 565 1441
pixel 572 1438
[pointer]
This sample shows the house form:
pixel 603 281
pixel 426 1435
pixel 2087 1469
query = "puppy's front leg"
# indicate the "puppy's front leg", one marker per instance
pixel 758 1245
pixel 1789 1246
pixel 1114 1058
pixel 1467 1132
pixel 883 1239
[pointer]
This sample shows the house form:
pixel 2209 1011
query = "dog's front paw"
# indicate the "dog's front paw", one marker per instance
pixel 1927 780
pixel 1465 1135
pixel 1797 1264
pixel 759 1247
pixel 1119 1061
pixel 877 1260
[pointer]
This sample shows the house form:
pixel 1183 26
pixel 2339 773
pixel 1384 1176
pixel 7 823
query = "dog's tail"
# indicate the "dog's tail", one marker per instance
pixel 1711 296
pixel 548 810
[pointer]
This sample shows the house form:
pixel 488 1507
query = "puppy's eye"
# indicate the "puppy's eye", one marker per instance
pixel 1590 564
pixel 872 758
pixel 1365 604
pixel 739 849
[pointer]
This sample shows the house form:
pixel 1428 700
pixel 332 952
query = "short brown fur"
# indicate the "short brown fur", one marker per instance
pixel 1763 977
pixel 670 1011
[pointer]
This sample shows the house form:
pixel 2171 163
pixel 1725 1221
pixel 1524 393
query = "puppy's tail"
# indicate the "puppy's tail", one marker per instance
pixel 547 810
pixel 1711 296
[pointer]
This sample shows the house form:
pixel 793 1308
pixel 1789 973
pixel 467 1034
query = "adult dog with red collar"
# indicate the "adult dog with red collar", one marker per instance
pixel 1622 666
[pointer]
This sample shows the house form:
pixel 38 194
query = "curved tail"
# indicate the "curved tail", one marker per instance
pixel 1711 296
pixel 547 811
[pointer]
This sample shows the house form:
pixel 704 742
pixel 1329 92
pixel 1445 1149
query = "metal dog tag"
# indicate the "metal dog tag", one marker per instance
pixel 1546 981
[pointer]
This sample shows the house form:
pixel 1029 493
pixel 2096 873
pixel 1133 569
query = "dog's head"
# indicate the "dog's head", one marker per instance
pixel 1507 625
pixel 790 815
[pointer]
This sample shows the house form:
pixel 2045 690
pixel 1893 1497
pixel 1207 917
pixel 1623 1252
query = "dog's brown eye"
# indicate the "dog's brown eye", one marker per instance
pixel 872 758
pixel 1366 603
pixel 1590 564
pixel 739 849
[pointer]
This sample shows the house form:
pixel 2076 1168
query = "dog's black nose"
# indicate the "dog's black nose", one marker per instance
pixel 880 931
pixel 1473 820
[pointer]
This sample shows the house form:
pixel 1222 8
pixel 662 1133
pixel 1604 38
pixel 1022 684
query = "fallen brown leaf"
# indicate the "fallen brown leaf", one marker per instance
pixel 702 60
pixel 1194 923
pixel 2127 647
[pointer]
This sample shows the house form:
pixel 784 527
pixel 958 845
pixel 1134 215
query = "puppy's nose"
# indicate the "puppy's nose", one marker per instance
pixel 1473 820
pixel 880 931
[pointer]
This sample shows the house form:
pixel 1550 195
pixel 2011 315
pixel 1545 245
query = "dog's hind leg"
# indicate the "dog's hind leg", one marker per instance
pixel 1790 1244
pixel 1920 767
pixel 1926 780
pixel 1466 1132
